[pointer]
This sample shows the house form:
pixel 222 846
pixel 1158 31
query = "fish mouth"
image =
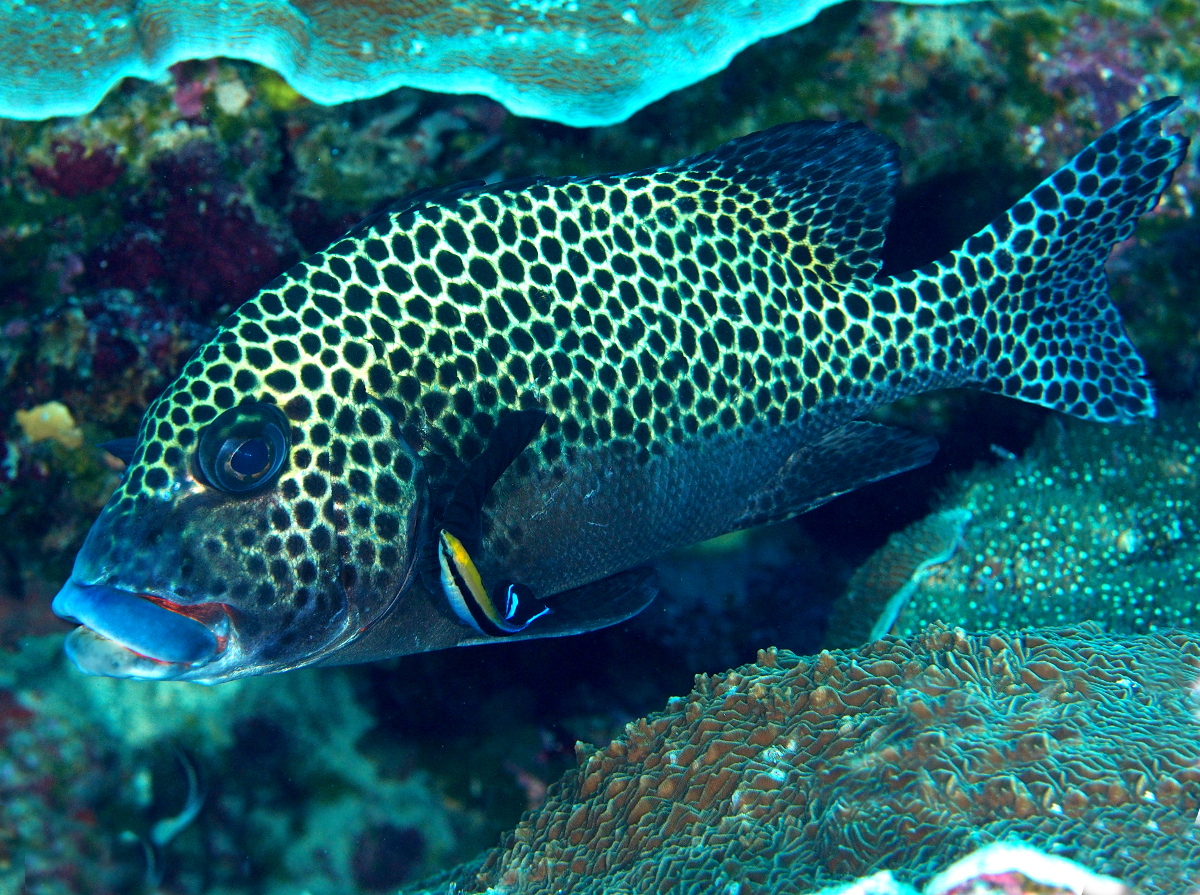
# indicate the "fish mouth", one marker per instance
pixel 126 634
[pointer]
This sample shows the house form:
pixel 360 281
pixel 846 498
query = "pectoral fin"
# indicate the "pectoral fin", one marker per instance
pixel 509 607
pixel 513 433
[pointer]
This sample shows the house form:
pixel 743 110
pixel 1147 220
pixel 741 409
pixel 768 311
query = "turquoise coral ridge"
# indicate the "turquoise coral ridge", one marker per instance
pixel 1094 523
pixel 590 63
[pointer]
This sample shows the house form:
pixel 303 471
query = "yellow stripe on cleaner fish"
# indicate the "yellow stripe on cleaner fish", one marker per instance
pixel 571 376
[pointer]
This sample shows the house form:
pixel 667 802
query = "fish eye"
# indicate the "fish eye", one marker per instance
pixel 243 448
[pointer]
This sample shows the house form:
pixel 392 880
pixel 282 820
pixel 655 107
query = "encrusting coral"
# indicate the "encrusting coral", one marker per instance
pixel 795 773
pixel 51 421
pixel 1093 523
pixel 581 63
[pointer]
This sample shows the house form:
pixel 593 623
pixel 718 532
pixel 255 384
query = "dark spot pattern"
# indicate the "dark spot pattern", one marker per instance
pixel 730 293
pixel 1023 308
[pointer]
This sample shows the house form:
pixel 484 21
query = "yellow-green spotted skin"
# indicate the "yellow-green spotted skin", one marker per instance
pixel 702 336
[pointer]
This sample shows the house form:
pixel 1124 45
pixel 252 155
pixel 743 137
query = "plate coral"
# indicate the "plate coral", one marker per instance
pixel 579 62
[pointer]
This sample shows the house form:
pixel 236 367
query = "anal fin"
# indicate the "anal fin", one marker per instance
pixel 589 607
pixel 854 455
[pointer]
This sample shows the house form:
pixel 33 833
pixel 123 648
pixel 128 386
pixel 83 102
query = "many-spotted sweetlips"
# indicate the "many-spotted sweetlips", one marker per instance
pixel 477 414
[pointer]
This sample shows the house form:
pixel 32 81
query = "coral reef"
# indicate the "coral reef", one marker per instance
pixel 128 233
pixel 1094 522
pixel 83 371
pixel 999 869
pixel 87 764
pixel 583 65
pixel 51 421
pixel 1008 868
pixel 794 773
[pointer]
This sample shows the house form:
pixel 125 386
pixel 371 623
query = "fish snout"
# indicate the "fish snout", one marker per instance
pixel 126 634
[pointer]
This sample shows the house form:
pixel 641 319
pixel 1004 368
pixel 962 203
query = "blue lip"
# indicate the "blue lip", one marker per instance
pixel 136 623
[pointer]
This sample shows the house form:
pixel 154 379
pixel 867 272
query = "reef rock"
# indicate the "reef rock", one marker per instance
pixel 1094 523
pixel 581 63
pixel 795 773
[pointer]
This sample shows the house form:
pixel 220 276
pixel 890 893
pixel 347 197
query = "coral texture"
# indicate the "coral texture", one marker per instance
pixel 798 772
pixel 581 63
pixel 1092 523
pixel 997 869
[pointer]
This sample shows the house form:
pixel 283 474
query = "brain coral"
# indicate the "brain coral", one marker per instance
pixel 792 773
pixel 581 62
pixel 1092 523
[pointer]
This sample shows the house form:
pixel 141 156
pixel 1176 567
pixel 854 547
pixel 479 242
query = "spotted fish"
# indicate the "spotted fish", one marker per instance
pixel 479 413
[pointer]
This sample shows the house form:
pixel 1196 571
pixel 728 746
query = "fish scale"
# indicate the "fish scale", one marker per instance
pixel 702 337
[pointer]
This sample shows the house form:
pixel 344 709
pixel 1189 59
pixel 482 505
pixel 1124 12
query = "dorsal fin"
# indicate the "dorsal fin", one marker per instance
pixel 513 433
pixel 836 182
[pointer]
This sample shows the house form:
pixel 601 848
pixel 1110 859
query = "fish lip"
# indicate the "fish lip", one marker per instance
pixel 153 630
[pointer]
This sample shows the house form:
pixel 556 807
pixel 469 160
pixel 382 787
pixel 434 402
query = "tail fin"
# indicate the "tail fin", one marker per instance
pixel 1031 297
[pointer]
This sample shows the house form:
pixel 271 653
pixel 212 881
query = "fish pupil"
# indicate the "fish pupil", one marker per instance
pixel 250 458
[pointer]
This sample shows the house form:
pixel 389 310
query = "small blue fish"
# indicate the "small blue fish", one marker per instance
pixel 479 413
